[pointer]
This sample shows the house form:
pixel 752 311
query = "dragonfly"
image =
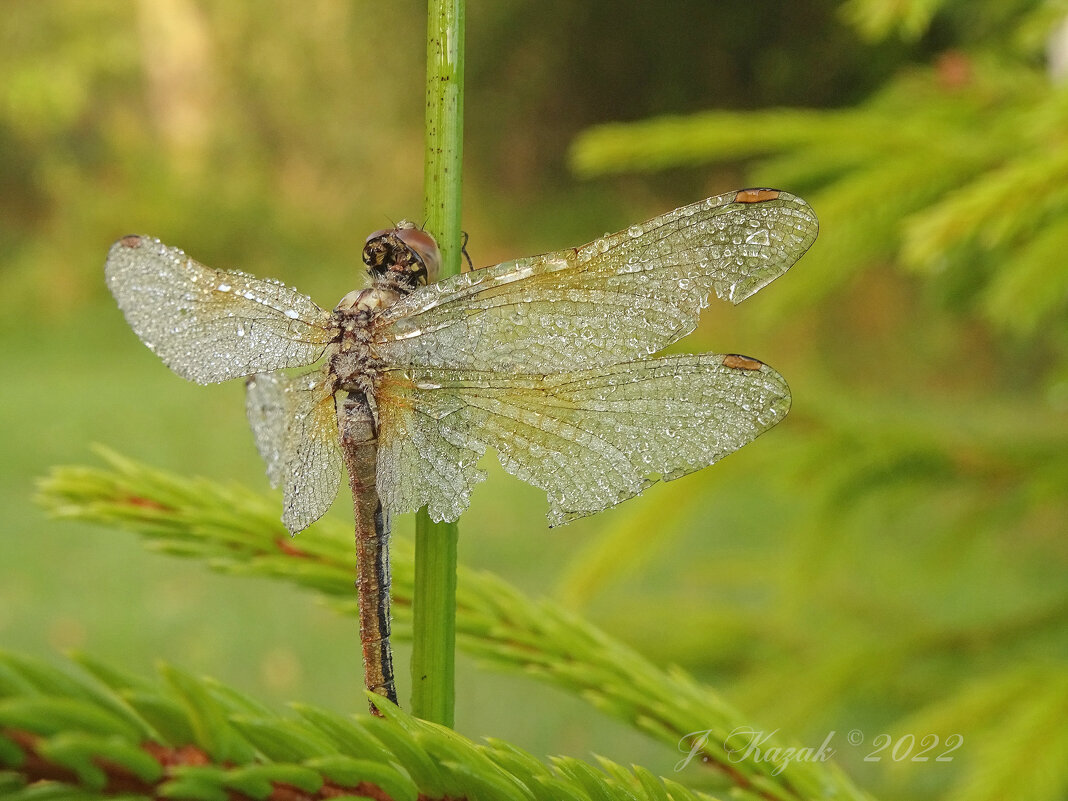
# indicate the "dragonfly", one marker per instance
pixel 548 360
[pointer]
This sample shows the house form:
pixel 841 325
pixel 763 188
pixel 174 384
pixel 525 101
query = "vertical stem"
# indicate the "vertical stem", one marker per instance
pixel 434 602
pixel 443 148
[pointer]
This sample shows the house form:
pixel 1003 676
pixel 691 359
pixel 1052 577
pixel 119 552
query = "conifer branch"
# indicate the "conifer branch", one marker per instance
pixel 989 215
pixel 235 531
pixel 95 733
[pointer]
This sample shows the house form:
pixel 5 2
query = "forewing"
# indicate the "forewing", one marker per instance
pixel 211 325
pixel 294 422
pixel 621 297
pixel 590 439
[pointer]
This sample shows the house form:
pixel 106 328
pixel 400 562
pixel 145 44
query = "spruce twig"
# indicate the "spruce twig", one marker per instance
pixel 95 733
pixel 236 531
pixel 989 219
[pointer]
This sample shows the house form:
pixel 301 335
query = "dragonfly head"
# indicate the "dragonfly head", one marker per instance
pixel 403 258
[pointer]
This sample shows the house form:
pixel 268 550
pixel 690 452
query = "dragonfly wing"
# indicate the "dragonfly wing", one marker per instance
pixel 294 422
pixel 590 439
pixel 621 297
pixel 211 325
pixel 426 456
pixel 265 404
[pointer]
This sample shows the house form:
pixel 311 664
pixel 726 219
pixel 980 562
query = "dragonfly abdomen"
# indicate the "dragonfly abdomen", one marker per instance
pixel 358 434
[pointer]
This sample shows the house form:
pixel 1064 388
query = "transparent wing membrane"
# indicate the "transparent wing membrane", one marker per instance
pixel 211 325
pixel 620 297
pixel 590 439
pixel 294 422
pixel 268 416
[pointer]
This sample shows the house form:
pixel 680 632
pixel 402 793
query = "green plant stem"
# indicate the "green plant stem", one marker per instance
pixel 434 601
pixel 443 155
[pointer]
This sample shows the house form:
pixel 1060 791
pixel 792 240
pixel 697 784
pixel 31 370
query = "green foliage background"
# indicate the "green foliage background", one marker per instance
pixel 890 559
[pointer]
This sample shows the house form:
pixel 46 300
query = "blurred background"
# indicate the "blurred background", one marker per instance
pixel 892 558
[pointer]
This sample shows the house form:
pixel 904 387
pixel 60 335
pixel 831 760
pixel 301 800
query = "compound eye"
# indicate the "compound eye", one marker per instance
pixel 425 248
pixel 376 249
pixel 409 256
pixel 378 235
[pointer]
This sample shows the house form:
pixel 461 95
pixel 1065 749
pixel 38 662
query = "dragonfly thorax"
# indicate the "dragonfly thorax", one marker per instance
pixel 367 300
pixel 350 360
